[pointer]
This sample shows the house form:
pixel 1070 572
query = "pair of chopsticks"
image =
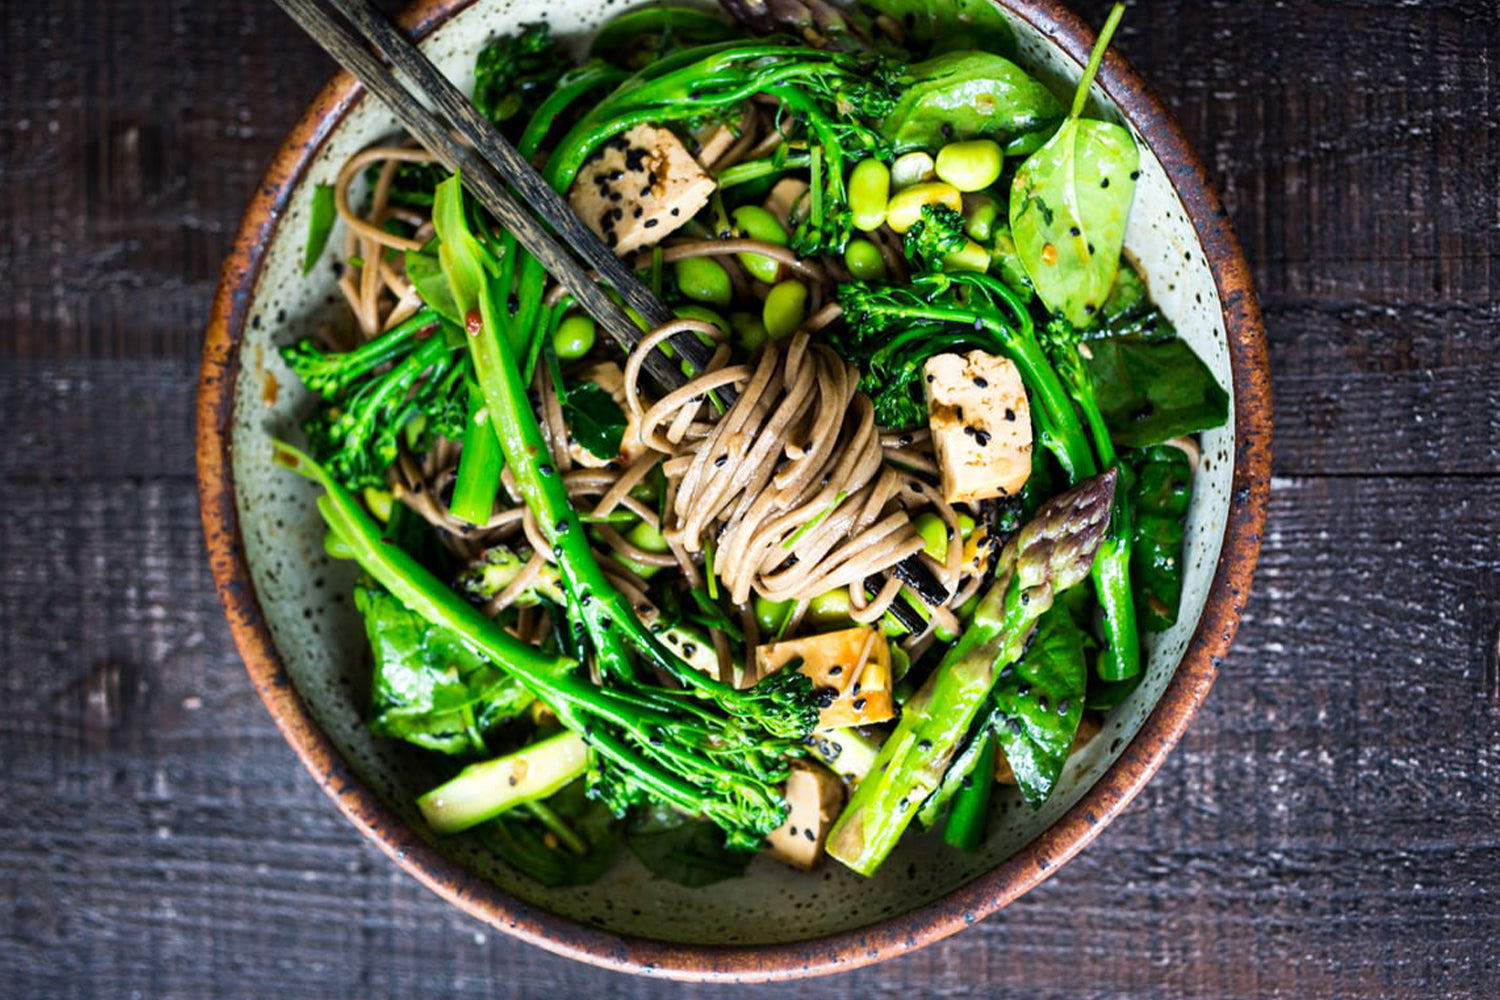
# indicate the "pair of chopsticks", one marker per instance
pixel 487 164
pixel 364 41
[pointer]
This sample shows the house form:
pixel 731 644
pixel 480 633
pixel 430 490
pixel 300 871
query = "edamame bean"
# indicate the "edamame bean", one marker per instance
pixel 911 168
pixel 704 279
pixel 748 330
pixel 869 190
pixel 758 224
pixel 980 213
pixel 644 536
pixel 692 310
pixel 905 207
pixel 965 525
pixel 831 608
pixel 863 260
pixel 378 503
pixel 934 534
pixel 770 614
pixel 785 309
pixel 972 165
pixel 972 257
pixel 574 337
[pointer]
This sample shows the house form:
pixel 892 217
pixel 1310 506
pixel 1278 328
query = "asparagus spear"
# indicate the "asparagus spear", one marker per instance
pixel 1053 552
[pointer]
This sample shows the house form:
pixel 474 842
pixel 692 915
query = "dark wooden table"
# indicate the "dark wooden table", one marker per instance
pixel 1329 827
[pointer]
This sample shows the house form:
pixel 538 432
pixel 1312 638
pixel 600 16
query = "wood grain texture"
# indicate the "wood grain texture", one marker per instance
pixel 1327 828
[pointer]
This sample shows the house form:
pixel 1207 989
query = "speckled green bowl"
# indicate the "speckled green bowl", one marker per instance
pixel 292 616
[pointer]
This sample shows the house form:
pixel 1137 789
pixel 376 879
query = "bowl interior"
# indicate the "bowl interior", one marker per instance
pixel 305 597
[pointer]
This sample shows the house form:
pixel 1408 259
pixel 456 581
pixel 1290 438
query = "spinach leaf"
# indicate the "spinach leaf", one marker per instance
pixel 320 221
pixel 595 419
pixel 1069 203
pixel 1160 495
pixel 1040 702
pixel 1152 391
pixel 428 688
pixel 961 95
pixel 951 24
pixel 686 851
pixel 523 840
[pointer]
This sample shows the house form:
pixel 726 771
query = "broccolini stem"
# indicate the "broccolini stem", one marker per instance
pixel 479 464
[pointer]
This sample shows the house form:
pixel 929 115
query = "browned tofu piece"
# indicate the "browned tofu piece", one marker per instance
pixel 713 142
pixel 815 796
pixel 642 186
pixel 850 670
pixel 981 425
pixel 1088 728
pixel 786 201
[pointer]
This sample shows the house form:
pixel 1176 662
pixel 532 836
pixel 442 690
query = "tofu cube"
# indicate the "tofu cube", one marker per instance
pixel 640 187
pixel 850 671
pixel 981 425
pixel 815 796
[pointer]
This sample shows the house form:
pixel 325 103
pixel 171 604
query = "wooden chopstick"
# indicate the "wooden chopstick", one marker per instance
pixel 478 166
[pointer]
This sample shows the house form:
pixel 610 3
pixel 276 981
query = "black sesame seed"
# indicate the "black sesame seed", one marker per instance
pixel 1062 707
pixel 835 670
pixel 676 212
pixel 1075 231
pixel 545 469
pixel 1010 414
pixel 859 704
pixel 980 382
pixel 807 832
pixel 1043 703
pixel 688 649
pixel 924 746
pixel 982 438
pixel 1104 183
pixel 721 461
pixel 652 223
pixel 969 430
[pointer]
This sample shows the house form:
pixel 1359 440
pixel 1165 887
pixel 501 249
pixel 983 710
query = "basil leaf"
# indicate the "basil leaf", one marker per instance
pixel 320 223
pixel 427 687
pixel 1152 391
pixel 595 419
pixel 688 852
pixel 1041 702
pixel 1069 204
pixel 961 95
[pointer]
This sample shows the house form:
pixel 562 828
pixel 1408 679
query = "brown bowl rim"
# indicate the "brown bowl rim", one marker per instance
pixel 848 950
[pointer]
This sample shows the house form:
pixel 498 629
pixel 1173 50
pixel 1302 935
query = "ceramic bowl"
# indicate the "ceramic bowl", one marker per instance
pixel 290 609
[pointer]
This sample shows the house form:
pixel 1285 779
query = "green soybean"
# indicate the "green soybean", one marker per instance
pixel 864 261
pixel 704 280
pixel 378 503
pixel 574 337
pixel 771 614
pixel 934 535
pixel 758 224
pixel 748 330
pixel 980 213
pixel 785 309
pixel 831 608
pixel 972 257
pixel 972 165
pixel 869 190
pixel 645 536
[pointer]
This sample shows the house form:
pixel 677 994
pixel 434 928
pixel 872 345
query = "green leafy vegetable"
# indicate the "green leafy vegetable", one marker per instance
pixel 681 850
pixel 951 24
pixel 1161 494
pixel 428 687
pixel 320 219
pixel 425 273
pixel 1040 703
pixel 1069 204
pixel 1153 391
pixel 638 38
pixel 962 95
pixel 530 844
pixel 594 419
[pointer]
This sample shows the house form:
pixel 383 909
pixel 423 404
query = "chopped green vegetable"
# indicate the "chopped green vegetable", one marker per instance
pixel 320 218
pixel 1153 391
pixel 1040 704
pixel 682 850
